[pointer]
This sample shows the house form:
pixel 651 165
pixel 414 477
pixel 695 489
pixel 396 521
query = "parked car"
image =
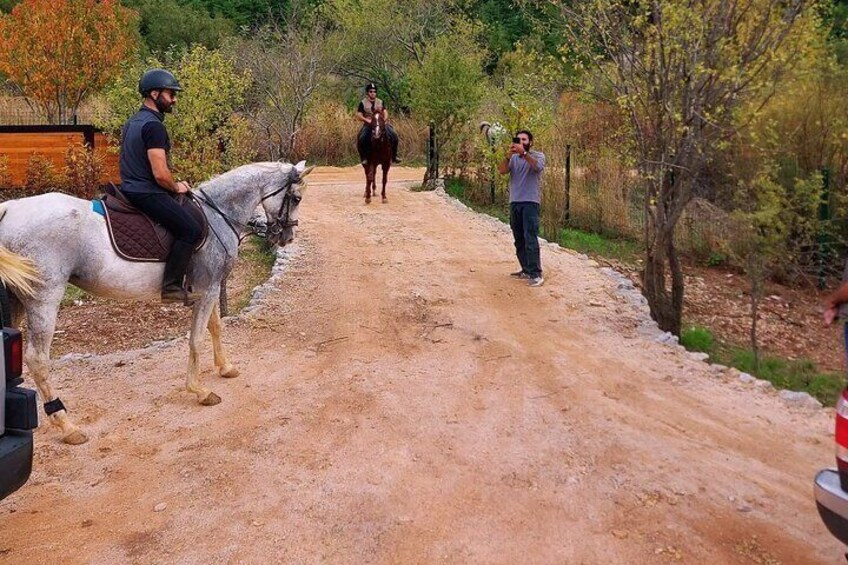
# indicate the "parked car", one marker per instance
pixel 831 485
pixel 18 414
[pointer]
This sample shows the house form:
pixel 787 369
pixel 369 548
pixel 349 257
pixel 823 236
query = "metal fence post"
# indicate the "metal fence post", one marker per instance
pixel 567 211
pixel 431 153
pixel 824 213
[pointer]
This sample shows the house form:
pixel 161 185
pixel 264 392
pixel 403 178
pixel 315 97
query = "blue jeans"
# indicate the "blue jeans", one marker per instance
pixel 524 221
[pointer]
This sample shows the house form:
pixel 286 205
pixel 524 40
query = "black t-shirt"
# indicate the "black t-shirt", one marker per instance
pixel 155 136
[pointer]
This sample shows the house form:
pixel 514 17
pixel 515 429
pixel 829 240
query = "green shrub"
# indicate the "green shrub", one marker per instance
pixel 697 338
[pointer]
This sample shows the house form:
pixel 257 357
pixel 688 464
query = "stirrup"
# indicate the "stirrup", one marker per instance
pixel 173 295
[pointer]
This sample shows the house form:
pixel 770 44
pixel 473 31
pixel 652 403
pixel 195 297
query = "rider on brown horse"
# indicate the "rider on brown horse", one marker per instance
pixel 368 106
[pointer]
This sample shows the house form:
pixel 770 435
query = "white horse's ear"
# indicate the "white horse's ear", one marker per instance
pixel 307 170
pixel 300 166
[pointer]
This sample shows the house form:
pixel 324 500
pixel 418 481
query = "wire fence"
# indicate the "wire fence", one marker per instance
pixel 604 196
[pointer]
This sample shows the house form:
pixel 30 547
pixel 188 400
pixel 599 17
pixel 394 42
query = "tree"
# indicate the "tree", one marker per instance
pixel 289 62
pixel 208 133
pixel 682 70
pixel 165 24
pixel 55 66
pixel 381 40
pixel 448 85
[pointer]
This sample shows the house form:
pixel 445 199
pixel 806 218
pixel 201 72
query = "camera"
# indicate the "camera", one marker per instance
pixel 516 140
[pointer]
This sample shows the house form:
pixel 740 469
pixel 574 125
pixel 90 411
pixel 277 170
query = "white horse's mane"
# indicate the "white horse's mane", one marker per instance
pixel 263 166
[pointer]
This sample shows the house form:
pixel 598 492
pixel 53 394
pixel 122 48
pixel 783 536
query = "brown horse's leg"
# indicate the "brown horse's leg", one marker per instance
pixel 369 181
pixel 386 166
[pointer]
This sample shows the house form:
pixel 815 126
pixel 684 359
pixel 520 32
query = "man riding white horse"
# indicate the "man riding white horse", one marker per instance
pixel 369 106
pixel 147 181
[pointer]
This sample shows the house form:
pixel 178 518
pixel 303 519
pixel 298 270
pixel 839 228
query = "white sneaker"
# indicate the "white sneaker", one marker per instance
pixel 536 281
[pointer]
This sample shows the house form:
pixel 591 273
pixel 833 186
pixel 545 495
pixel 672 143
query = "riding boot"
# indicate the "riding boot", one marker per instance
pixel 395 158
pixel 174 288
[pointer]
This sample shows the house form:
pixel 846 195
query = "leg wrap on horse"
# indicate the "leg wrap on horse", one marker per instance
pixel 53 406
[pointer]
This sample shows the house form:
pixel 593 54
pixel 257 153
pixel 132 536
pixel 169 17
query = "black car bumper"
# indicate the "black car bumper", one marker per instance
pixel 832 503
pixel 15 460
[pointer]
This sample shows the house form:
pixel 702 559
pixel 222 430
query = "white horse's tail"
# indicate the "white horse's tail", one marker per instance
pixel 18 272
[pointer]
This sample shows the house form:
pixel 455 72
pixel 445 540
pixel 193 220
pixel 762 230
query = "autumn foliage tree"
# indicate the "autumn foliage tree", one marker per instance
pixel 56 52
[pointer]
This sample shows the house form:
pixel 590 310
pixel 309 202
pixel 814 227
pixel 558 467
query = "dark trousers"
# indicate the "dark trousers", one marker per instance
pixel 363 141
pixel 187 232
pixel 163 209
pixel 524 221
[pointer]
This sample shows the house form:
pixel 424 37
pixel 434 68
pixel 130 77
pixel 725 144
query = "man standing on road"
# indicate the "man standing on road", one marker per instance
pixel 525 167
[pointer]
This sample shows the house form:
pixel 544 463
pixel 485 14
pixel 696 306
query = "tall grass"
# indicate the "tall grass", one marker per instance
pixel 328 137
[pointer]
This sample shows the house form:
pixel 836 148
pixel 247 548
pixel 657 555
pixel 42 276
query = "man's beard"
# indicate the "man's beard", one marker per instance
pixel 162 106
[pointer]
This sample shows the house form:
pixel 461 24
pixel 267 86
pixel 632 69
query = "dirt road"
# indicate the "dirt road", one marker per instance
pixel 402 400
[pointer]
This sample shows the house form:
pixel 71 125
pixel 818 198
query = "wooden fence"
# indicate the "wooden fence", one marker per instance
pixel 19 143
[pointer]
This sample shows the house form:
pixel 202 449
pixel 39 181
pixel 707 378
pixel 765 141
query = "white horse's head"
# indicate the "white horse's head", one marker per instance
pixel 281 198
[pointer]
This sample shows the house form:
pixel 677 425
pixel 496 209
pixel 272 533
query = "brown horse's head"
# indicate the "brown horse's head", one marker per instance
pixel 378 127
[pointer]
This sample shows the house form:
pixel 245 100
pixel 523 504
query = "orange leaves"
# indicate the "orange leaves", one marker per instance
pixel 57 51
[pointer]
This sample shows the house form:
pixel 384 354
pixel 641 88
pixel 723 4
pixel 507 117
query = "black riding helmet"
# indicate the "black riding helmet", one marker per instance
pixel 157 79
pixel 370 86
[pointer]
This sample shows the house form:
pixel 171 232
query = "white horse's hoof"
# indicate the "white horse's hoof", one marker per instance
pixel 211 400
pixel 385 200
pixel 76 437
pixel 229 372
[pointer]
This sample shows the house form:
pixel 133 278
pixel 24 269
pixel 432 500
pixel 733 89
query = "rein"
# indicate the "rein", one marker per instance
pixel 282 221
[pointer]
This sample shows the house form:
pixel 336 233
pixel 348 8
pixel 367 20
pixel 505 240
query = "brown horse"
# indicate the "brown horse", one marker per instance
pixel 379 154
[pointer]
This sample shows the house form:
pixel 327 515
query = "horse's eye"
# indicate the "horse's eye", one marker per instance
pixel 297 198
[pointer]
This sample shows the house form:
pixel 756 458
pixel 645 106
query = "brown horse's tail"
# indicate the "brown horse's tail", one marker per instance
pixel 18 272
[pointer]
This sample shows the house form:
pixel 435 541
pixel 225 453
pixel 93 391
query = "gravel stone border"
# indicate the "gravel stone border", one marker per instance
pixel 648 328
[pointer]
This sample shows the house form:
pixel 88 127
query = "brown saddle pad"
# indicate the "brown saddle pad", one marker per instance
pixel 135 236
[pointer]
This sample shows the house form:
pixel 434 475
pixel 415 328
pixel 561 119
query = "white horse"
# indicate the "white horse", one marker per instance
pixel 49 240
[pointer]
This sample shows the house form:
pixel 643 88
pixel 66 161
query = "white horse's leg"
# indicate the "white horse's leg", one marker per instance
pixel 199 320
pixel 41 320
pixel 225 368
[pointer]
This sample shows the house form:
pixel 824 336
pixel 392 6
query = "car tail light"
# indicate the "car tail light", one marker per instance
pixel 13 354
pixel 842 438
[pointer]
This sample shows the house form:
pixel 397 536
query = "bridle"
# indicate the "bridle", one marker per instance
pixel 281 222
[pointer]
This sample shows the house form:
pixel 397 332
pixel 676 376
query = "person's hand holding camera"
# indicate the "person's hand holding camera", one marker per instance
pixel 517 148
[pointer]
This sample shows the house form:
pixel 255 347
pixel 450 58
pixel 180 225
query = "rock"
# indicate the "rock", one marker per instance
pixel 698 356
pixel 160 507
pixel 716 368
pixel 799 399
pixel 666 337
pixel 743 508
pixel 746 378
pixel 763 385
